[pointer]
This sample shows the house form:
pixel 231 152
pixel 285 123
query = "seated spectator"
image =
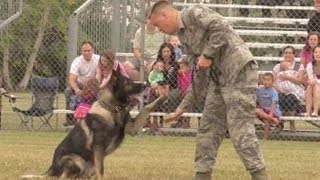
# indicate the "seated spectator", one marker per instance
pixel 82 68
pixel 268 110
pixel 307 51
pixel 167 56
pixel 156 79
pixel 287 87
pixel 289 103
pixel 87 99
pixel 184 76
pixel 314 21
pixel 107 62
pixel 152 39
pixel 174 41
pixel 313 88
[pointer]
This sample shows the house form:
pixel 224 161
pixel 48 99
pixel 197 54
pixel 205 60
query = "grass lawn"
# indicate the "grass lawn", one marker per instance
pixel 158 157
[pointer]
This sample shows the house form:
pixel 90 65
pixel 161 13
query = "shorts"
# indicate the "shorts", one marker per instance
pixel 273 115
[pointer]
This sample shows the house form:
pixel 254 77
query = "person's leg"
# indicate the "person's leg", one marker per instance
pixel 68 95
pixel 211 131
pixel 308 100
pixel 266 128
pixel 316 101
pixel 241 104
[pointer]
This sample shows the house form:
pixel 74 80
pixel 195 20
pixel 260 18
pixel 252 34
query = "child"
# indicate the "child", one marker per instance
pixel 184 76
pixel 156 79
pixel 174 41
pixel 107 63
pixel 87 99
pixel 268 110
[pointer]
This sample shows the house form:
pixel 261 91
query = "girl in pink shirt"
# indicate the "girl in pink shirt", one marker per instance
pixel 184 77
pixel 106 64
pixel 306 53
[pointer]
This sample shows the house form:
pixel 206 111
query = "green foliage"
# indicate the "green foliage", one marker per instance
pixel 20 37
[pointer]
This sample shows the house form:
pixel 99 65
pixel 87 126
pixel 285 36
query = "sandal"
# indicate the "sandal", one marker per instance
pixel 314 115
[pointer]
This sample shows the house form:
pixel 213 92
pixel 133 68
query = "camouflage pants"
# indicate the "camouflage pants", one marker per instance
pixel 231 107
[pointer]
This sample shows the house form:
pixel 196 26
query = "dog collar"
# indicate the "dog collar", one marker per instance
pixel 109 107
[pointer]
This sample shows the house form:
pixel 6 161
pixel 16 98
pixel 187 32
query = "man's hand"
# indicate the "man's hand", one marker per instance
pixel 203 63
pixel 174 116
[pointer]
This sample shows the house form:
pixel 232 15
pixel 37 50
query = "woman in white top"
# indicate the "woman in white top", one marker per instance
pixel 313 82
pixel 289 102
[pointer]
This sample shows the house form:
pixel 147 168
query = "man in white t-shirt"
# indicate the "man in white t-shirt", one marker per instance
pixel 82 68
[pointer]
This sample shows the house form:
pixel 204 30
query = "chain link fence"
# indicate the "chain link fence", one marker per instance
pixel 44 41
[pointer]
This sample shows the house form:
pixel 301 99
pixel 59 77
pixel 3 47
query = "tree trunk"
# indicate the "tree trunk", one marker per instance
pixel 32 58
pixel 6 75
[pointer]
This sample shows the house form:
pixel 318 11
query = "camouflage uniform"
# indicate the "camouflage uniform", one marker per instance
pixel 230 102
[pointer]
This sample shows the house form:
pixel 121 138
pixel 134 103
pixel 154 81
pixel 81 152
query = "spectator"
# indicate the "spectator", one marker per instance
pixel 313 88
pixel 166 55
pixel 87 99
pixel 156 79
pixel 107 62
pixel 307 50
pixel 184 76
pixel 268 110
pixel 152 39
pixel 82 68
pixel 214 46
pixel 289 103
pixel 287 87
pixel 314 21
pixel 174 41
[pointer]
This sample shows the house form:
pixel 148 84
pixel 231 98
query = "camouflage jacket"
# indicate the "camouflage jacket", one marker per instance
pixel 203 31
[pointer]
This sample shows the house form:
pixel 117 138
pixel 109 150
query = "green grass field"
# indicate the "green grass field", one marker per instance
pixel 158 157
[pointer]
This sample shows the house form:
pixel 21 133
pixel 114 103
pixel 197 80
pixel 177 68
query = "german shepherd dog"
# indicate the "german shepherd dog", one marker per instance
pixel 81 154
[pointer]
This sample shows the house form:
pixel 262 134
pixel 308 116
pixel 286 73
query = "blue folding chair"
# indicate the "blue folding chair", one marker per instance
pixel 44 91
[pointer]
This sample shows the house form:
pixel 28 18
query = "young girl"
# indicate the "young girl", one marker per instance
pixel 313 88
pixel 156 79
pixel 107 62
pixel 184 76
pixel 268 109
pixel 87 99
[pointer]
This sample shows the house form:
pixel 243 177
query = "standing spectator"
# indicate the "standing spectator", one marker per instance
pixel 314 21
pixel 153 38
pixel 313 88
pixel 174 41
pixel 289 103
pixel 82 68
pixel 212 43
pixel 307 51
pixel 268 104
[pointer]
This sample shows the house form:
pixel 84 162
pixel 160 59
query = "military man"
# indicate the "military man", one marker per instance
pixel 212 45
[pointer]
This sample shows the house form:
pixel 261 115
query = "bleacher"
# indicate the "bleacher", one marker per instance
pixel 265 36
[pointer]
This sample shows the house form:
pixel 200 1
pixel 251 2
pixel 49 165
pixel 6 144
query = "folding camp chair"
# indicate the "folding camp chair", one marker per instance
pixel 44 91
